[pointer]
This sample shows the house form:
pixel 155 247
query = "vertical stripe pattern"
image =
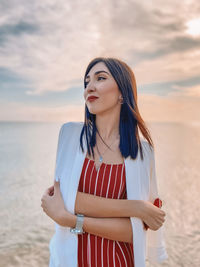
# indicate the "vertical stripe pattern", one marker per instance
pixel 94 251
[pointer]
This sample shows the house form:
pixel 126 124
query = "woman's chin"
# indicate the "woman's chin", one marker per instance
pixel 96 111
pixel 93 111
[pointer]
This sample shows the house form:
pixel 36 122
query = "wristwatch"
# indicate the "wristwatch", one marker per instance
pixel 79 225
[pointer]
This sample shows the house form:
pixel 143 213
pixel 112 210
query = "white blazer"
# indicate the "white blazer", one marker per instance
pixel 140 184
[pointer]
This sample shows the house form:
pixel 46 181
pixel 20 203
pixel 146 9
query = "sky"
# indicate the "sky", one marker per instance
pixel 45 47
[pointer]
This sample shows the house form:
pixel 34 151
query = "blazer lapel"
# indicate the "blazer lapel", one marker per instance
pixel 133 186
pixel 75 176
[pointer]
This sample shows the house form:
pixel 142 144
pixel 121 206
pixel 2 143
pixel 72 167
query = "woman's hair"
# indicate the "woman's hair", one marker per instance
pixel 130 119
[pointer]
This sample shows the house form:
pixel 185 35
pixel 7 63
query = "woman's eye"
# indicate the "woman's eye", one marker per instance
pixel 101 78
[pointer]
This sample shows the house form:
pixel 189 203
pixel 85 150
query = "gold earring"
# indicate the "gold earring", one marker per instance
pixel 121 100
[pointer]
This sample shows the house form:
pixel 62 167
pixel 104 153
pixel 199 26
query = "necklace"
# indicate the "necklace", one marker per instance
pixel 101 154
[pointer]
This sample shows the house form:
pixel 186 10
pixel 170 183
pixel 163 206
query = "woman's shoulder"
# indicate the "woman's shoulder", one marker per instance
pixel 70 130
pixel 147 148
pixel 145 144
pixel 72 126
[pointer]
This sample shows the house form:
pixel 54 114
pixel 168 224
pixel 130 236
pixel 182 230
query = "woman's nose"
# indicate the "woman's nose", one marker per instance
pixel 90 87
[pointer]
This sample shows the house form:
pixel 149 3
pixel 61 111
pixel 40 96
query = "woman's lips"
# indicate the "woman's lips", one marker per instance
pixel 92 99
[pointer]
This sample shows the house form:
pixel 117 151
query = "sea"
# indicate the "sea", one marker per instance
pixel 27 162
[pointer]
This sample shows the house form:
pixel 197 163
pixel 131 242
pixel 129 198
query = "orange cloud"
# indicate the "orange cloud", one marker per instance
pixel 171 108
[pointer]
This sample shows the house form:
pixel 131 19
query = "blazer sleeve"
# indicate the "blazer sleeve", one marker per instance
pixel 58 154
pixel 155 250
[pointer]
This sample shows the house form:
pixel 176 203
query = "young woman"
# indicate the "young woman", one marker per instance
pixel 105 190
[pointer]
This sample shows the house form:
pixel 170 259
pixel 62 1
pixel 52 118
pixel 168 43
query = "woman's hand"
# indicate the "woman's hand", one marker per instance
pixel 152 216
pixel 53 204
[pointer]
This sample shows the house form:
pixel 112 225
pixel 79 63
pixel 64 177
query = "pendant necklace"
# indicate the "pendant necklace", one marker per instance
pixel 101 155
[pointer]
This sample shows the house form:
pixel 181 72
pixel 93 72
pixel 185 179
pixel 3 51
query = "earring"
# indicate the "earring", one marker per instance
pixel 121 100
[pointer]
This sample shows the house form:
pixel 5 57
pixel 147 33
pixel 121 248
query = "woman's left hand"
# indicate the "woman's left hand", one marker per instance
pixel 53 204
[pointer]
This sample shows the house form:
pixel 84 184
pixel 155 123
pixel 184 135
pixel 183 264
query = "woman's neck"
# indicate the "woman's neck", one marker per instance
pixel 108 126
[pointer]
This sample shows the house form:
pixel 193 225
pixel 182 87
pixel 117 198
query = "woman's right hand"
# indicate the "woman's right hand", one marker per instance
pixel 152 216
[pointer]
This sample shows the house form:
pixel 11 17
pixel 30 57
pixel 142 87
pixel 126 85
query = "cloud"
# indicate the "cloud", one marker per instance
pixel 172 108
pixel 173 67
pixel 21 112
pixel 17 29
pixel 192 91
pixel 45 47
pixel 50 43
pixel 52 57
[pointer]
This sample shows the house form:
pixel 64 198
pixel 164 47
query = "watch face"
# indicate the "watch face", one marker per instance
pixel 76 231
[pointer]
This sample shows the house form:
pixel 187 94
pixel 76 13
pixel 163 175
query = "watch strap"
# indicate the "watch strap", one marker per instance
pixel 79 221
pixel 79 225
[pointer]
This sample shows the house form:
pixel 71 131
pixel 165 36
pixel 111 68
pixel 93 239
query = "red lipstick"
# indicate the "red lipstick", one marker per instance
pixel 92 98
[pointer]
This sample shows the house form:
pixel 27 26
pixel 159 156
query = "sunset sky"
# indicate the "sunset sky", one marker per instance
pixel 45 47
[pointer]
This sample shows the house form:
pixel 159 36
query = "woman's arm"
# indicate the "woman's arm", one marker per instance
pixel 119 229
pixel 111 228
pixel 95 206
pixel 100 207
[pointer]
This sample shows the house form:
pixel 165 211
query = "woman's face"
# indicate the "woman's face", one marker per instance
pixel 100 83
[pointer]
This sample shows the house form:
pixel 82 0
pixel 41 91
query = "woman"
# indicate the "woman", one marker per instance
pixel 105 182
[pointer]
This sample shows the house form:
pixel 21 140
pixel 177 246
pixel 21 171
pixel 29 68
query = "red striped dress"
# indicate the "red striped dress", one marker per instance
pixel 94 251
